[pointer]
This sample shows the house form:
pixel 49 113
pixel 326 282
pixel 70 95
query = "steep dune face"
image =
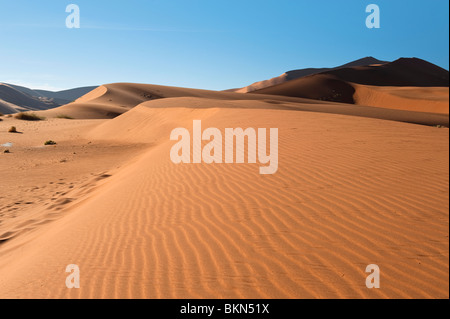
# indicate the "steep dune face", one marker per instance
pixel 402 72
pixel 295 74
pixel 145 227
pixel 380 86
pixel 66 96
pixel 106 101
pixel 322 87
pixel 111 100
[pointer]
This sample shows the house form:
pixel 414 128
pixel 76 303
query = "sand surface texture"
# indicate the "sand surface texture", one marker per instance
pixel 356 185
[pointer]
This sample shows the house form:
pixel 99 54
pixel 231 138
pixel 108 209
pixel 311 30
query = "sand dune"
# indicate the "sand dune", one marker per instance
pixel 406 84
pixel 330 88
pixel 296 74
pixel 402 72
pixel 13 101
pixel 112 100
pixel 324 87
pixel 350 191
pixel 419 99
pixel 15 98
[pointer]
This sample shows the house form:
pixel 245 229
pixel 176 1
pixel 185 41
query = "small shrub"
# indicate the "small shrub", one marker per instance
pixel 12 130
pixel 1 114
pixel 63 116
pixel 29 117
pixel 50 142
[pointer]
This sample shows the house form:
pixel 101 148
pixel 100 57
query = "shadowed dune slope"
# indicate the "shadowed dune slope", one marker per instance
pixel 112 100
pixel 295 74
pixel 323 87
pixel 380 86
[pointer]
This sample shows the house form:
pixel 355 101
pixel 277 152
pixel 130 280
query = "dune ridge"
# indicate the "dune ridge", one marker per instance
pixel 381 85
pixel 112 100
pixel 295 74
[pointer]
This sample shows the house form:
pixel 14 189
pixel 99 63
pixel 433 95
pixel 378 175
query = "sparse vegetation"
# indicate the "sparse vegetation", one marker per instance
pixel 1 114
pixel 29 117
pixel 12 130
pixel 63 116
pixel 50 142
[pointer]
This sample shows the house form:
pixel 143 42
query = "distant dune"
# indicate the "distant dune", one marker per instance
pixel 111 100
pixel 408 84
pixel 351 190
pixel 15 98
pixel 295 74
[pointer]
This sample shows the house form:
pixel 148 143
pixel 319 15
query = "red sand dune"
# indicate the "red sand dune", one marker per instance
pixel 111 100
pixel 356 185
pixel 350 191
pixel 407 84
pixel 295 74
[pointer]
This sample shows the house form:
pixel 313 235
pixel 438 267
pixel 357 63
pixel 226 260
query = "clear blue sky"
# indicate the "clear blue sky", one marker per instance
pixel 207 44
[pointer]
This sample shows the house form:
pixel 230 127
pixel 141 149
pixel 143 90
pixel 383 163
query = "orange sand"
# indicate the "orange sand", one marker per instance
pixel 354 187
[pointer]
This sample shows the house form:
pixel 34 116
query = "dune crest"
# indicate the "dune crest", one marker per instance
pixel 381 85
pixel 295 74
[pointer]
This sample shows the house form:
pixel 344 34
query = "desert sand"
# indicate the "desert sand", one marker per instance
pixel 356 185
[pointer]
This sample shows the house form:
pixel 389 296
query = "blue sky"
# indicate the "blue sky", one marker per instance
pixel 208 44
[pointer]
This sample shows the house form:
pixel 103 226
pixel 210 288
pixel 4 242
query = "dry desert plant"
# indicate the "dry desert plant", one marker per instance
pixel 29 117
